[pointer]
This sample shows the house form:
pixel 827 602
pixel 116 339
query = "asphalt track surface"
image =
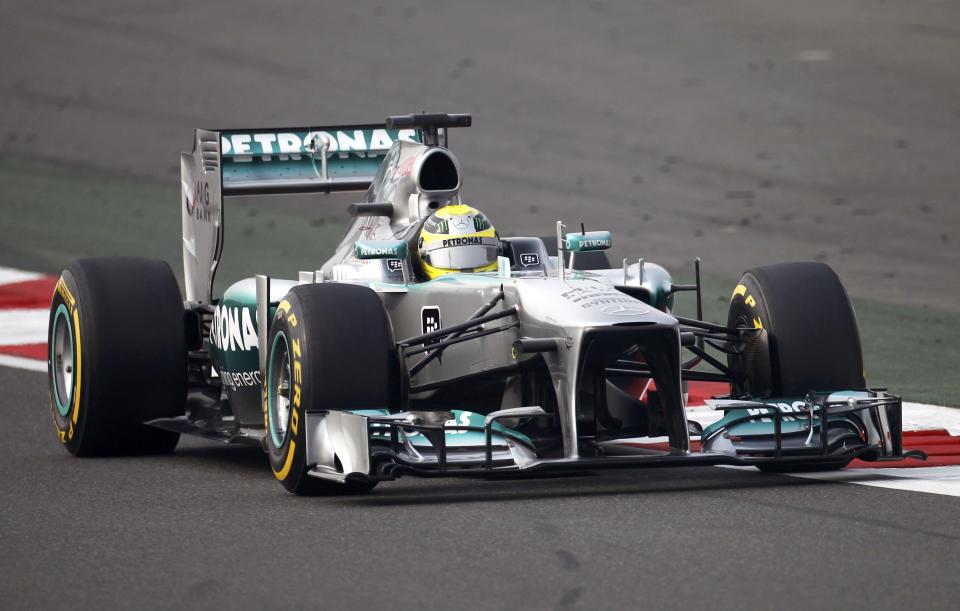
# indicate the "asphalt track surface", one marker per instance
pixel 209 526
pixel 742 131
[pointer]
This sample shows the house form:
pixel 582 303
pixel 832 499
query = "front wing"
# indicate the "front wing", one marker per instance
pixel 345 446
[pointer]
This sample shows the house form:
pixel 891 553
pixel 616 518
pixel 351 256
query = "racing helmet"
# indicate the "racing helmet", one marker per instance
pixel 458 238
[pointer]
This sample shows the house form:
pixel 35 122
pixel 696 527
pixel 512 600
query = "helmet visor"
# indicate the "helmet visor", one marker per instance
pixel 461 257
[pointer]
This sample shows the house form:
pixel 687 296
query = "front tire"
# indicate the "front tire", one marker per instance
pixel 117 356
pixel 811 327
pixel 330 347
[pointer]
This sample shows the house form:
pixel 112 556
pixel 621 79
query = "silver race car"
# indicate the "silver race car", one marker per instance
pixel 431 345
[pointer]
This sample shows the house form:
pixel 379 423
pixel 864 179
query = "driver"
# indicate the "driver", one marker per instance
pixel 458 238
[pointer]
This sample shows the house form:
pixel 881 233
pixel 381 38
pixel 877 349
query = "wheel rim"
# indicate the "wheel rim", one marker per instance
pixel 62 361
pixel 278 394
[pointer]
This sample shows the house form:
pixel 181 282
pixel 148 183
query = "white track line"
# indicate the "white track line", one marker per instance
pixel 932 480
pixel 18 362
pixel 9 275
pixel 23 326
pixel 923 416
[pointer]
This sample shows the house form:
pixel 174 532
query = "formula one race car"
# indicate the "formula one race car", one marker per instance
pixel 430 345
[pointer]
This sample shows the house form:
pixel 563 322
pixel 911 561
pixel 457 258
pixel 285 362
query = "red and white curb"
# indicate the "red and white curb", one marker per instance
pixel 24 314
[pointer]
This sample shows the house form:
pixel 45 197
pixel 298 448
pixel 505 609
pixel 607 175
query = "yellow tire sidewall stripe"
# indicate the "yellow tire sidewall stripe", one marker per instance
pixel 282 473
pixel 295 354
pixel 77 365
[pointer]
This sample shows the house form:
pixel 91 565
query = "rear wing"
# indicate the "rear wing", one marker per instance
pixel 267 162
pixel 304 160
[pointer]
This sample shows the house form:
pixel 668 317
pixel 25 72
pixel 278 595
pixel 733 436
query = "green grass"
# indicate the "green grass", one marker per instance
pixel 52 215
pixel 911 351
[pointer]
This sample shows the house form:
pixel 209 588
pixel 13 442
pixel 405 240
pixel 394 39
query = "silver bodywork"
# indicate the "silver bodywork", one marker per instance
pixel 551 304
pixel 591 316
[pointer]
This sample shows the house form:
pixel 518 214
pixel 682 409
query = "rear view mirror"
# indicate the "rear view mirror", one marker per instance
pixel 589 241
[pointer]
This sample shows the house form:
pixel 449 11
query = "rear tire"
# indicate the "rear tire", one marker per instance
pixel 117 356
pixel 332 346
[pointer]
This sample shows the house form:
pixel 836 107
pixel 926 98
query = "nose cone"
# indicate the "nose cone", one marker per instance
pixel 584 302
